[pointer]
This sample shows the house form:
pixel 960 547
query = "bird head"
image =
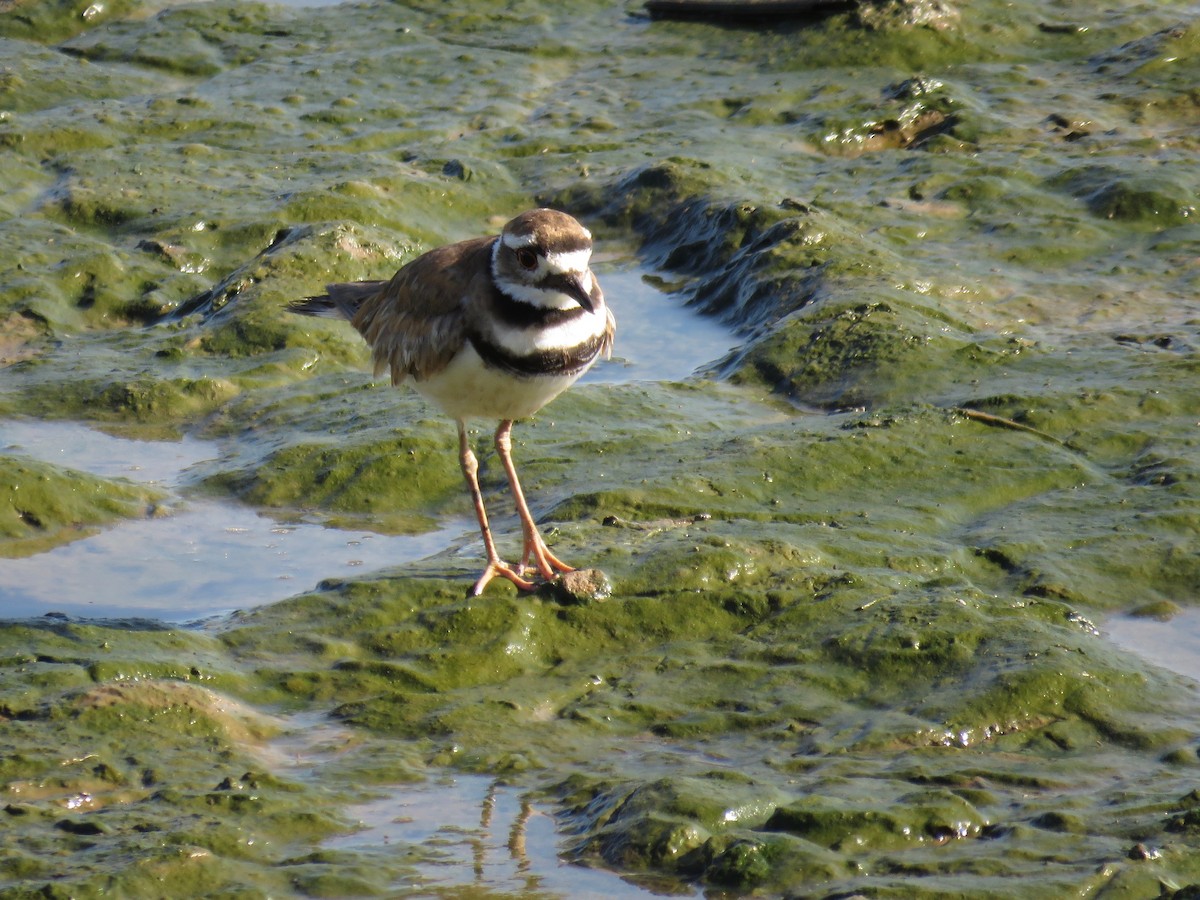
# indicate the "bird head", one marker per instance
pixel 542 257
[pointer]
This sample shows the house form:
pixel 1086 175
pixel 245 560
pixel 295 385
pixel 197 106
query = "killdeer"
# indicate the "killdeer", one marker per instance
pixel 488 328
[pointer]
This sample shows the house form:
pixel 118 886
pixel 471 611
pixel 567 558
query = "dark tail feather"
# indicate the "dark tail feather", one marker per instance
pixel 342 301
pixel 316 306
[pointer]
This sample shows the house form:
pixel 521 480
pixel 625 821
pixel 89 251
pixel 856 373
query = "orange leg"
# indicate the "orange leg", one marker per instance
pixel 547 563
pixel 495 566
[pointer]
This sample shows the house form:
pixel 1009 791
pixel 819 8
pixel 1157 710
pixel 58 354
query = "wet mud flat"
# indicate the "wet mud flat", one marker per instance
pixel 861 564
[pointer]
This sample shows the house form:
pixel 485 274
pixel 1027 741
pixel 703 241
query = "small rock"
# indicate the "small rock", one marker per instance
pixel 578 587
pixel 894 15
pixel 1141 851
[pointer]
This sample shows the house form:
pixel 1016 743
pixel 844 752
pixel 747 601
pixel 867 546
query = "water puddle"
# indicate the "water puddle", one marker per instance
pixel 201 559
pixel 1172 644
pixel 208 557
pixel 76 446
pixel 483 834
pixel 658 338
pixel 475 831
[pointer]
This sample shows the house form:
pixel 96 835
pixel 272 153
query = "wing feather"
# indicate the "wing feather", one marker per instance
pixel 610 331
pixel 415 322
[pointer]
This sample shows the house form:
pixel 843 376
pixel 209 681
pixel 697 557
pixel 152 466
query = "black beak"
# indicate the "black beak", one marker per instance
pixel 572 286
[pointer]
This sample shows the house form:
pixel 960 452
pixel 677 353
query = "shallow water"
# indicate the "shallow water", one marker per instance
pixel 485 833
pixel 206 558
pixel 193 559
pixel 474 830
pixel 76 446
pixel 1173 643
pixel 658 339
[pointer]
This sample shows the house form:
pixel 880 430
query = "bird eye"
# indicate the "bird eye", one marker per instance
pixel 527 258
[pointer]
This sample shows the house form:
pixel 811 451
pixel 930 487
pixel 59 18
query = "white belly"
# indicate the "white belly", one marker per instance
pixel 467 389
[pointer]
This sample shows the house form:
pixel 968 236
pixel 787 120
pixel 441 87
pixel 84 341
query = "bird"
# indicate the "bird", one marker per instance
pixel 489 328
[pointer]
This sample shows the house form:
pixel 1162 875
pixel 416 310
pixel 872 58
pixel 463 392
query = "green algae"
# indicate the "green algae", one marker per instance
pixel 566 677
pixel 46 505
pixel 845 652
pixel 1157 199
pixel 58 19
pixel 372 481
pixel 152 765
pixel 936 815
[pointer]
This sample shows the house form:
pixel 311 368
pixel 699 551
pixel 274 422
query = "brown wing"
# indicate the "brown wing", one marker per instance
pixel 414 323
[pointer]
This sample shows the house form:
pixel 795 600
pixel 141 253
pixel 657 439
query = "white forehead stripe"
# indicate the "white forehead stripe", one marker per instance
pixel 575 261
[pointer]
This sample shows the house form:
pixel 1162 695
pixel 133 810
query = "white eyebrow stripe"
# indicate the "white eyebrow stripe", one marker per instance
pixel 517 241
pixel 574 261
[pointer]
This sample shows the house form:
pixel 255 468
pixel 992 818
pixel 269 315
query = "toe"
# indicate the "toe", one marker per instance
pixel 504 571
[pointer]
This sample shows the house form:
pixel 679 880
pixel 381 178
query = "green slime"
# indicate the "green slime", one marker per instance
pixel 849 647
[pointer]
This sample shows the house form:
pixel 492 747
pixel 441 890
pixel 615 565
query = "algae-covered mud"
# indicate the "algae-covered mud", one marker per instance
pixel 861 564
